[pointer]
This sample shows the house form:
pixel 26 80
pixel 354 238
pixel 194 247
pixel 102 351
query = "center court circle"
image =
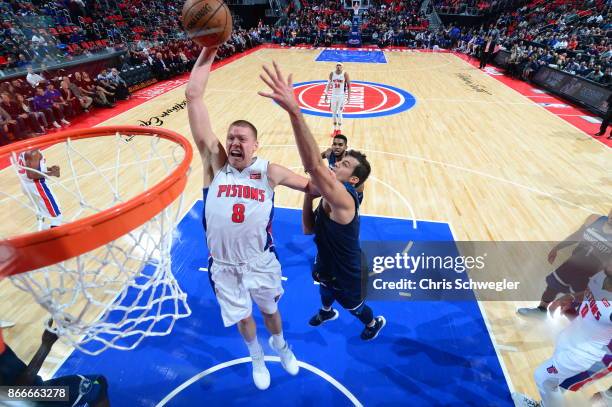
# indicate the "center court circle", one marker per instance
pixel 368 99
pixel 337 385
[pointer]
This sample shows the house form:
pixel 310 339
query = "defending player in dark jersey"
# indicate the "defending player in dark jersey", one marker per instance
pixel 594 239
pixel 336 222
pixel 336 153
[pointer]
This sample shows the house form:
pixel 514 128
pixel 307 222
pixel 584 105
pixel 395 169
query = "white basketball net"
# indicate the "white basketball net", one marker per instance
pixel 124 291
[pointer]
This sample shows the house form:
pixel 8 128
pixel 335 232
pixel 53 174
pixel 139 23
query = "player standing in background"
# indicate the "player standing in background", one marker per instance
pixel 340 86
pixel 583 352
pixel 238 209
pixel 336 153
pixel 33 171
pixel 594 248
pixel 335 223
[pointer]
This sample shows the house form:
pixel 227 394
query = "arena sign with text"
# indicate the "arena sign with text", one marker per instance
pixel 368 99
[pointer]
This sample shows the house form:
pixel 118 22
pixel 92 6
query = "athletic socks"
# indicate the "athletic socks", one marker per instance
pixel 261 375
pixel 278 340
pixel 255 348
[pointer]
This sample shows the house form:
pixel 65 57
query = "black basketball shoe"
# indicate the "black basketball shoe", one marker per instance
pixel 370 333
pixel 323 316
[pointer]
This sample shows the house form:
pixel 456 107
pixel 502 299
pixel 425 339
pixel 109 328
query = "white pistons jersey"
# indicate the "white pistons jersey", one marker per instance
pixel 590 334
pixel 39 192
pixel 337 83
pixel 21 169
pixel 238 209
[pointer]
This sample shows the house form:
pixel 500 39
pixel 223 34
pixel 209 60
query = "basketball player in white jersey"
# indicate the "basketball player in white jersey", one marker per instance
pixel 33 171
pixel 583 352
pixel 340 86
pixel 238 207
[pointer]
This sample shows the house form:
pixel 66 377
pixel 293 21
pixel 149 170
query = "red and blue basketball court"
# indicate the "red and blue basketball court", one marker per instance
pixel 430 352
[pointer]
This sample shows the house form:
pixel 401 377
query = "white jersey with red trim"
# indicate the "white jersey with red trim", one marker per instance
pixel 338 82
pixel 238 212
pixel 590 333
pixel 39 192
pixel 21 170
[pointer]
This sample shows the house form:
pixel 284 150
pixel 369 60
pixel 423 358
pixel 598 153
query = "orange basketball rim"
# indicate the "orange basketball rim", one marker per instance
pixel 44 248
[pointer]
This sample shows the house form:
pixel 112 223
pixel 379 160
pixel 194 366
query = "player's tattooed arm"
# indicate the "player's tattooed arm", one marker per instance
pixel 572 239
pixel 211 150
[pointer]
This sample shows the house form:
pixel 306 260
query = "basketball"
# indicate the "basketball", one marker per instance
pixel 207 22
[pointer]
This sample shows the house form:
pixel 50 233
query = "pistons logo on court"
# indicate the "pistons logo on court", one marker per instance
pixel 368 99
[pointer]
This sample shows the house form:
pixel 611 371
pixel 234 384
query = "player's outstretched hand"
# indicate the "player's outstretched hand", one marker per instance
pixel 282 89
pixel 565 303
pixel 49 337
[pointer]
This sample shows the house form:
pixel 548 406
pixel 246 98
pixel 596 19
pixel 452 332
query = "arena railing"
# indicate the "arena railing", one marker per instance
pixel 77 60
pixel 579 90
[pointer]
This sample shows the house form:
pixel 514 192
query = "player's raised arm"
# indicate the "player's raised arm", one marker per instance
pixel 571 239
pixel 211 150
pixel 322 178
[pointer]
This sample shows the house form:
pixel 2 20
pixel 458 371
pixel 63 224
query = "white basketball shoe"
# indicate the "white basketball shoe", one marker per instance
pixel 521 400
pixel 261 375
pixel 288 359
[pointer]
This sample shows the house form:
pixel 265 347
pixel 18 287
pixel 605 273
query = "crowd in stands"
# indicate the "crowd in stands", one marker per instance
pixel 39 103
pixel 38 36
pixel 47 32
pixel 469 7
pixel 326 22
pixel 570 36
pixel 566 34
pixel 44 101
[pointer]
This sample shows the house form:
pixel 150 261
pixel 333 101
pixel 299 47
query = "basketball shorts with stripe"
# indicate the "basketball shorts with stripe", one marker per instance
pixel 570 369
pixel 337 103
pixel 43 198
pixel 237 286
